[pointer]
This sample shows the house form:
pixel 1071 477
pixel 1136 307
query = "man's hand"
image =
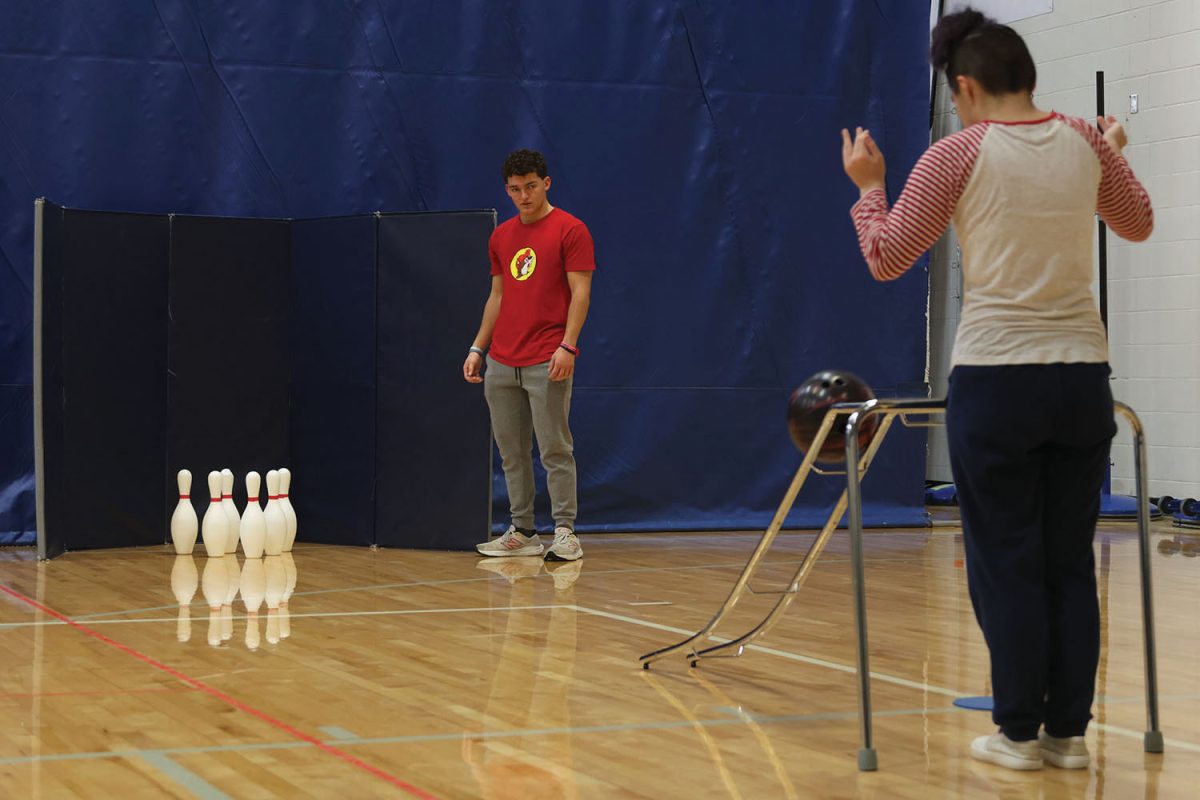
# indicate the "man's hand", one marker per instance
pixel 473 368
pixel 862 160
pixel 562 365
pixel 1114 133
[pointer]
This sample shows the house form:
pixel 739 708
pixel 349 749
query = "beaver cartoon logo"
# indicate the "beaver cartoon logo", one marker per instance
pixel 523 264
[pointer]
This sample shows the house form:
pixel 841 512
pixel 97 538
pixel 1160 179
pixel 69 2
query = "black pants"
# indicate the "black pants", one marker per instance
pixel 1029 448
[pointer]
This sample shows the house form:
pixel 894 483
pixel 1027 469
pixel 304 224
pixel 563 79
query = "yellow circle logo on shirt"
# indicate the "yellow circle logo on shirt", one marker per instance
pixel 523 264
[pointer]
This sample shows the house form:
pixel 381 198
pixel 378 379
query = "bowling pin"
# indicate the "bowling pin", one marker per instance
pixel 184 580
pixel 253 529
pixel 184 525
pixel 235 522
pixel 215 527
pixel 276 521
pixel 254 588
pixel 285 485
pixel 215 585
pixel 276 586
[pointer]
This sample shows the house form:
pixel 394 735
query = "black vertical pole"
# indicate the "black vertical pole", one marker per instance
pixel 1103 235
pixel 1102 253
pixel 934 78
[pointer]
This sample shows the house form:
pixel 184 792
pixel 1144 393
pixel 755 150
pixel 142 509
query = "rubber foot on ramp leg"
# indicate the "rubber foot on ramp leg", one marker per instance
pixel 867 760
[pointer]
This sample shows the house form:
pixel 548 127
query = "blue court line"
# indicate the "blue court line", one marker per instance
pixel 334 732
pixel 184 777
pixel 725 721
pixel 164 751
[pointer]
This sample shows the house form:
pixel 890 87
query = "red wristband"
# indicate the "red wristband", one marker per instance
pixel 570 349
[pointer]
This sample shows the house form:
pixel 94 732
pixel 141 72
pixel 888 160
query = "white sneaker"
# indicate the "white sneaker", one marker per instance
pixel 512 543
pixel 565 547
pixel 1000 750
pixel 1069 752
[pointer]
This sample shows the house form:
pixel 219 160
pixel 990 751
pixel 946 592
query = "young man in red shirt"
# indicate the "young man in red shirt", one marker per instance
pixel 542 264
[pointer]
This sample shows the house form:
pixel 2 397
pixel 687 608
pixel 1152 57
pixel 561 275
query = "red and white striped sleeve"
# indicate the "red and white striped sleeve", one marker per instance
pixel 892 240
pixel 1122 202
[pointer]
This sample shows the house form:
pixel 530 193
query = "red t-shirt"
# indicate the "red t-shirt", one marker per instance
pixel 534 260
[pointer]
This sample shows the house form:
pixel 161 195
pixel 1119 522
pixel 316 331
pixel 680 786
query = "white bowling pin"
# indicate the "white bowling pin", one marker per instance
pixel 285 486
pixel 184 580
pixel 254 525
pixel 215 585
pixel 215 527
pixel 235 522
pixel 276 521
pixel 184 525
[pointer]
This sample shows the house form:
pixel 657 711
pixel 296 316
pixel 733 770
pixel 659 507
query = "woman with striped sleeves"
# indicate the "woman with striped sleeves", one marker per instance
pixel 1029 411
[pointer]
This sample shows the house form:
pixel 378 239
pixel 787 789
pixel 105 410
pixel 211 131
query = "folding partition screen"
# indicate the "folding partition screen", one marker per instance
pixel 332 346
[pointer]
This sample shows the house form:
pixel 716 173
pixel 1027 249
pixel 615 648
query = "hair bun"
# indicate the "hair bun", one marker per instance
pixel 950 32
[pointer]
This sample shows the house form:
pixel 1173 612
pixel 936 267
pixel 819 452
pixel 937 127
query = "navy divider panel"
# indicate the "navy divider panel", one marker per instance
pixel 53 536
pixel 111 404
pixel 434 437
pixel 333 379
pixel 17 481
pixel 229 357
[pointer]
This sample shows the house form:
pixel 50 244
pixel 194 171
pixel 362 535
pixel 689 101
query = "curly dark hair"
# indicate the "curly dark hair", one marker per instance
pixel 969 43
pixel 523 162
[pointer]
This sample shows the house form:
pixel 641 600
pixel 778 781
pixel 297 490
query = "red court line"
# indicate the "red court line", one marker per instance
pixel 218 694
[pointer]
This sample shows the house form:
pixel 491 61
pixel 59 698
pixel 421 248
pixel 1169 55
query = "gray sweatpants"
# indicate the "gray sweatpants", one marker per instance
pixel 523 402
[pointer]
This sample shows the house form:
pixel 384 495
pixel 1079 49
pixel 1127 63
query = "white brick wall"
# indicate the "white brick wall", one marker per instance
pixel 1151 47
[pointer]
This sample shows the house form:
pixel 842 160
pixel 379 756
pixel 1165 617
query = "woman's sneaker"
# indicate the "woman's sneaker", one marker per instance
pixel 565 547
pixel 1069 753
pixel 513 543
pixel 1003 751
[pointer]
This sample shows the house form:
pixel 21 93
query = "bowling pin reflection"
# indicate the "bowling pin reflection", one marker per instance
pixel 254 588
pixel 260 581
pixel 231 591
pixel 285 617
pixel 184 581
pixel 276 586
pixel 215 586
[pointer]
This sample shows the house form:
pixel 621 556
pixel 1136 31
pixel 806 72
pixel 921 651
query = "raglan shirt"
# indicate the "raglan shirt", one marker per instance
pixel 1022 198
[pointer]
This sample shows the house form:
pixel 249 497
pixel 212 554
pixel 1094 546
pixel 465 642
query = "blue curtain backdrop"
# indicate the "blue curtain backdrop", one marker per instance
pixel 699 141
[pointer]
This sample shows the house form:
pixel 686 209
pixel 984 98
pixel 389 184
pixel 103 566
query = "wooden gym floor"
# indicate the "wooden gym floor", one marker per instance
pixel 421 674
